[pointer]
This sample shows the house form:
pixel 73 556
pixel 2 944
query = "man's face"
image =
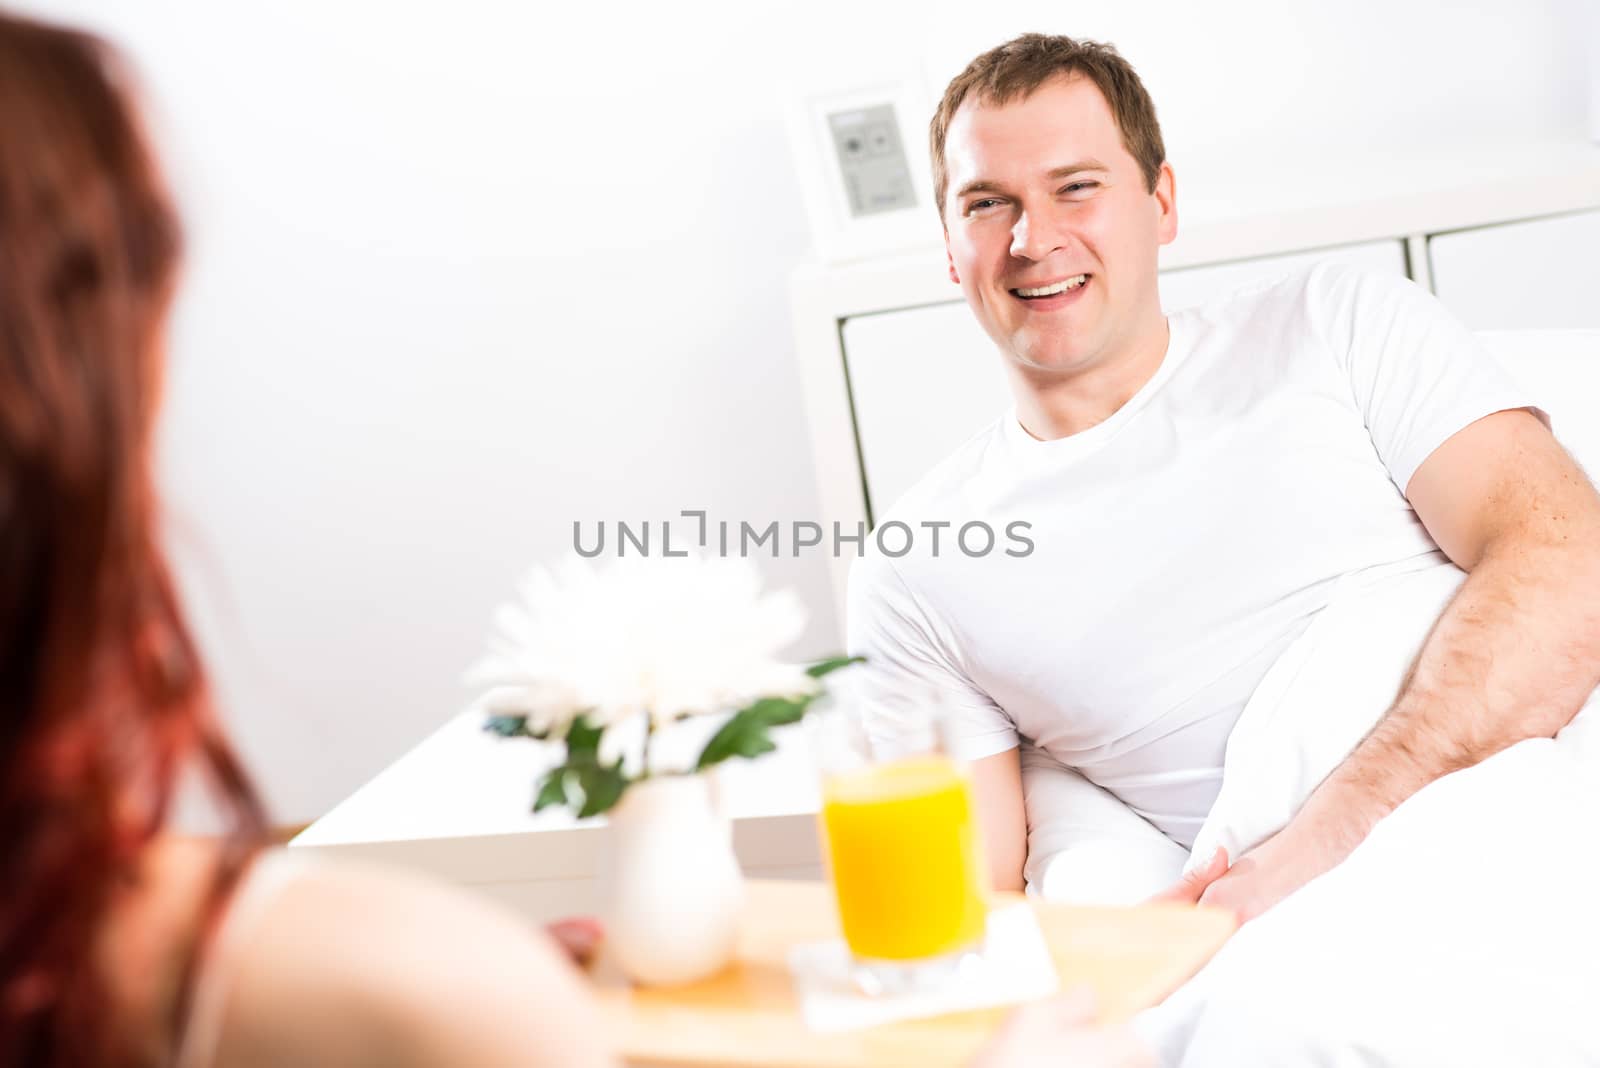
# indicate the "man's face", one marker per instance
pixel 1042 192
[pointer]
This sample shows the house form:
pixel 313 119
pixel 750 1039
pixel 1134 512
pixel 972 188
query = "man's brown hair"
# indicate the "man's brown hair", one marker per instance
pixel 1021 65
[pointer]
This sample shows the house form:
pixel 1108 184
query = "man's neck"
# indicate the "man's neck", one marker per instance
pixel 1051 406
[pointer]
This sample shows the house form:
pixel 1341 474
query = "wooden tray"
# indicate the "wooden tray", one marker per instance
pixel 748 1015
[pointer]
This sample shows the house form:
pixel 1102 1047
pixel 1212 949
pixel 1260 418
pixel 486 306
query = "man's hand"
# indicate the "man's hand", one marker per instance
pixel 1263 877
pixel 1192 886
pixel 1312 843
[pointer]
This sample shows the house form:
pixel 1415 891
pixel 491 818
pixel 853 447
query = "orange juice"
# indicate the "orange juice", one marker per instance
pixel 902 843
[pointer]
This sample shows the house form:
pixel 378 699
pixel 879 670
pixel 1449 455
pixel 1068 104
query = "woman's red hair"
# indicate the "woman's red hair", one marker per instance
pixel 103 701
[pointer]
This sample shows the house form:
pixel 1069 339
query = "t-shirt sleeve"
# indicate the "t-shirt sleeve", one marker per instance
pixel 887 625
pixel 1416 372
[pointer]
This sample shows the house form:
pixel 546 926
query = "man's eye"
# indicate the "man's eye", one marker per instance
pixel 1074 187
pixel 978 205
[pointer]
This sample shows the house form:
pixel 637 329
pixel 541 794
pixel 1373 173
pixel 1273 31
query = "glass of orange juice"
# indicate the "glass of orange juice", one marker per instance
pixel 901 839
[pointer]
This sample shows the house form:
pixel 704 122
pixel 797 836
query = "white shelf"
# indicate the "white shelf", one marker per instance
pixel 459 807
pixel 1257 212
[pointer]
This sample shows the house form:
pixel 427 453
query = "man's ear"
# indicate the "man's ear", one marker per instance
pixel 951 260
pixel 1166 194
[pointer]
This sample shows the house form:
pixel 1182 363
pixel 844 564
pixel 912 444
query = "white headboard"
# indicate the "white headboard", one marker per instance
pixel 1561 370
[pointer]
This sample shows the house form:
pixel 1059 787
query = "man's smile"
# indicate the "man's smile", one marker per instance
pixel 1053 294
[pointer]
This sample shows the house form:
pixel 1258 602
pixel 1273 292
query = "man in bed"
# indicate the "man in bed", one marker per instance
pixel 1199 486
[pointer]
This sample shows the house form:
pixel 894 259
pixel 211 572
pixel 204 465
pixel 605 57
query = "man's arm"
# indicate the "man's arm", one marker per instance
pixel 997 790
pixel 1514 655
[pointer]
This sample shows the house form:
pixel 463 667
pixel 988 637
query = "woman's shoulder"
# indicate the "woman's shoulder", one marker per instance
pixel 355 964
pixel 148 933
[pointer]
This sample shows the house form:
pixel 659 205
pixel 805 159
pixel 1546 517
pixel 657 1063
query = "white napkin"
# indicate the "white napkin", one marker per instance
pixel 1014 965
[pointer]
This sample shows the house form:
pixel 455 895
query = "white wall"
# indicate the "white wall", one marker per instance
pixel 461 274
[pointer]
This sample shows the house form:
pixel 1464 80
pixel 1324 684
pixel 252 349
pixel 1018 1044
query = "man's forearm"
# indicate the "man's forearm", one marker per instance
pixel 1514 655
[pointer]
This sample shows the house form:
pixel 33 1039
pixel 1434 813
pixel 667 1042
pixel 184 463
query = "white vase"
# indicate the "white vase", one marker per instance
pixel 678 893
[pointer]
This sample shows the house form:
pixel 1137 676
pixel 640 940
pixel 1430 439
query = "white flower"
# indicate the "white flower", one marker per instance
pixel 646 636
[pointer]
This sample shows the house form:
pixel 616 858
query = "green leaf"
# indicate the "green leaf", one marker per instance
pixel 777 711
pixel 738 737
pixel 508 726
pixel 553 791
pixel 583 741
pixel 832 664
pixel 602 787
pixel 746 732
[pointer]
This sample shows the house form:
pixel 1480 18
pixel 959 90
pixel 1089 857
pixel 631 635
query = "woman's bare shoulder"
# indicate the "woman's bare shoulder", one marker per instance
pixel 381 966
pixel 147 935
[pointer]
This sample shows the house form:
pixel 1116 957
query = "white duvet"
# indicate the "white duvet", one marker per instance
pixel 1465 930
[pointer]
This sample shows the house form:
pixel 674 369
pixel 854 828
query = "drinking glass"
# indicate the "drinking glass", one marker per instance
pixel 901 837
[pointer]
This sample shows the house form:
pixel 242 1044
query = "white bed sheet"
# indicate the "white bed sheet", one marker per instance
pixel 1464 931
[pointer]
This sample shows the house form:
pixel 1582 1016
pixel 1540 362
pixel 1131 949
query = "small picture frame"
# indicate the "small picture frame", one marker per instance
pixel 861 154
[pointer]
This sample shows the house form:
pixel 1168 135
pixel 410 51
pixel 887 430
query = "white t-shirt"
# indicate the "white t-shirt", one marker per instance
pixel 1180 545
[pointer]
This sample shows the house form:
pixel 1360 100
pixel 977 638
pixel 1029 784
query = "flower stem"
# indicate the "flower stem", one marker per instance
pixel 649 732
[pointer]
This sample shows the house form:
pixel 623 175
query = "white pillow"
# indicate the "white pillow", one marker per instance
pixel 1085 847
pixel 1321 698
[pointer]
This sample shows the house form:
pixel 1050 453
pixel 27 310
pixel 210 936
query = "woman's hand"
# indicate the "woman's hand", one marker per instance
pixel 1060 1033
pixel 578 937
